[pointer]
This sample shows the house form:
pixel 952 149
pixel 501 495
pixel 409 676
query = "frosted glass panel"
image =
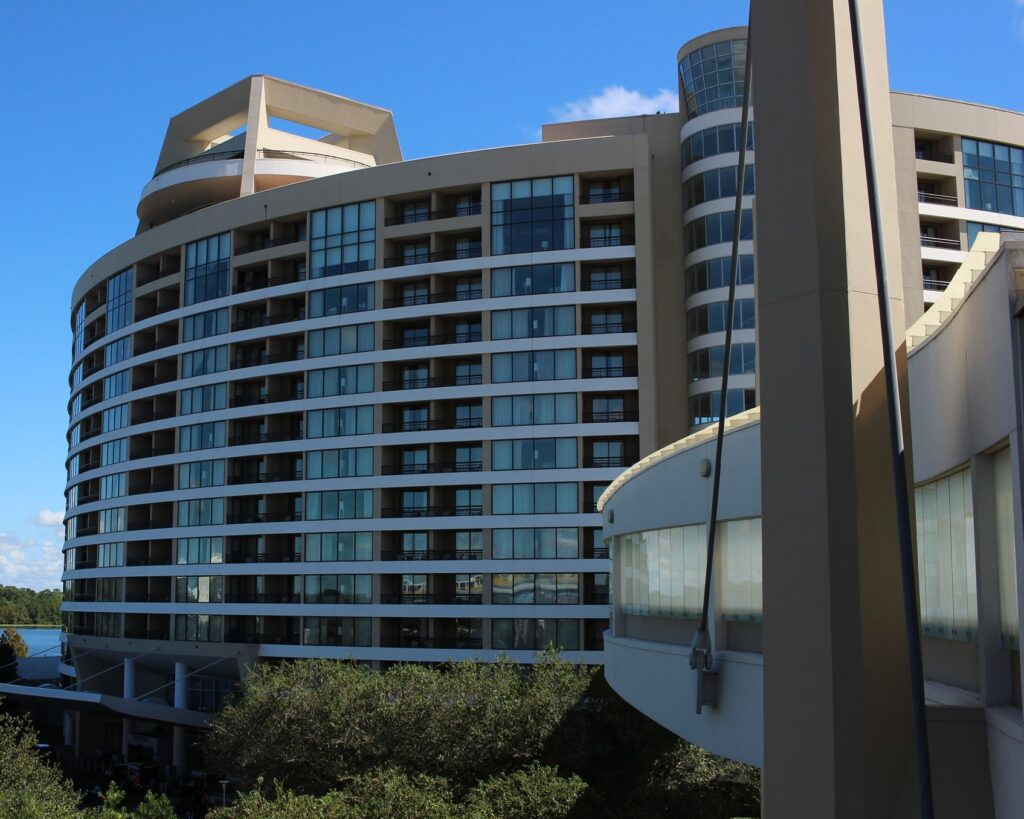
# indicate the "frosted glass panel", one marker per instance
pixel 1006 550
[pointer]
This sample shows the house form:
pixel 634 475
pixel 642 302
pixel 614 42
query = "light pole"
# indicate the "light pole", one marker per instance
pixel 224 791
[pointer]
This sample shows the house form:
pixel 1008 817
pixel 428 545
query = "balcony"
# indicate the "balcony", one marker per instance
pixel 262 557
pixel 267 321
pixel 932 156
pixel 432 642
pixel 434 554
pixel 433 599
pixel 621 282
pixel 265 242
pixel 440 256
pixel 431 424
pixel 607 241
pixel 431 511
pixel 610 417
pixel 434 298
pixel 264 438
pixel 605 197
pixel 265 477
pixel 610 372
pixel 265 398
pixel 936 198
pixel 429 341
pixel 609 461
pixel 436 467
pixel 261 637
pixel 264 358
pixel 262 597
pixel 600 328
pixel 264 517
pixel 940 242
pixel 427 216
pixel 437 381
pixel 269 281
pixel 937 285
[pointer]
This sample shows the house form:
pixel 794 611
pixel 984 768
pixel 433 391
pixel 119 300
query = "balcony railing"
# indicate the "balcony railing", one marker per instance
pixel 463 337
pixel 437 381
pixel 265 477
pixel 264 517
pixel 431 511
pixel 607 241
pixel 425 599
pixel 431 424
pixel 264 438
pixel 609 460
pixel 262 153
pixel 262 597
pixel 434 298
pixel 427 216
pixel 257 637
pixel 278 557
pixel 610 372
pixel 622 282
pixel 610 327
pixel 610 417
pixel 441 256
pixel 266 321
pixel 434 554
pixel 929 284
pixel 939 241
pixel 605 196
pixel 936 198
pixel 434 467
pixel 595 598
pixel 259 360
pixel 932 156
pixel 268 281
pixel 265 242
pixel 432 642
pixel 267 398
pixel 596 552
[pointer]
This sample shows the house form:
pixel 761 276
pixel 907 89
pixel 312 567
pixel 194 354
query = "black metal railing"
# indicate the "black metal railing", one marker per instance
pixel 932 156
pixel 434 298
pixel 608 461
pixel 263 282
pixel 610 372
pixel 432 424
pixel 936 198
pixel 939 241
pixel 431 511
pixel 463 337
pixel 596 552
pixel 262 597
pixel 265 242
pixel 263 358
pixel 265 437
pixel 621 282
pixel 266 477
pixel 424 599
pixel 432 642
pixel 278 557
pixel 611 417
pixel 440 256
pixel 600 328
pixel 436 381
pixel 427 216
pixel 267 321
pixel 266 398
pixel 605 197
pixel 433 467
pixel 434 554
pixel 595 598
pixel 607 241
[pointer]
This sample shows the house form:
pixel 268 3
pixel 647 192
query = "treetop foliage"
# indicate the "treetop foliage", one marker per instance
pixel 24 607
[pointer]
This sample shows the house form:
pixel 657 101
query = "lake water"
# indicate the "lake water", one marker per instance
pixel 39 639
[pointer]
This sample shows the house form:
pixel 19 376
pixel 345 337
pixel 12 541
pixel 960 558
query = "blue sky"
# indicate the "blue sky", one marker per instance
pixel 86 89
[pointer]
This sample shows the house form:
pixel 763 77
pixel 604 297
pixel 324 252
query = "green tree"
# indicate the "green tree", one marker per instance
pixel 151 807
pixel 30 787
pixel 12 646
pixel 310 724
pixel 29 607
pixel 535 792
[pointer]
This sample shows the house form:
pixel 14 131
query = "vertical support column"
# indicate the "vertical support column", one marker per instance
pixel 180 701
pixel 255 128
pixel 838 738
pixel 128 692
pixel 69 728
pixel 995 666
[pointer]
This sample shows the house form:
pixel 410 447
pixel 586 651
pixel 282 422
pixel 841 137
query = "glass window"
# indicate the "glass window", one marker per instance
pixel 339 463
pixel 339 421
pixel 533 322
pixel 204 362
pixel 342 546
pixel 119 300
pixel 342 239
pixel 207 268
pixel 534 453
pixel 533 279
pixel 715 273
pixel 200 473
pixel 530 498
pixel 704 408
pixel 993 177
pixel 204 399
pixel 336 301
pixel 204 325
pixel 532 215
pixel 707 363
pixel 716 228
pixel 202 436
pixel 946 565
pixel 1006 549
pixel 713 77
pixel 339 381
pixel 533 365
pixel 352 338
pixel 345 504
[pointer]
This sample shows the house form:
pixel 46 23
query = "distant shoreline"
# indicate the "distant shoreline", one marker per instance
pixel 29 625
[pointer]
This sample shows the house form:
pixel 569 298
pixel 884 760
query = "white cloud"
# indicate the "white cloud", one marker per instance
pixel 47 518
pixel 25 562
pixel 616 101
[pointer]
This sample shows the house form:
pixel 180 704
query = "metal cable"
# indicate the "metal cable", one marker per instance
pixel 716 475
pixel 898 451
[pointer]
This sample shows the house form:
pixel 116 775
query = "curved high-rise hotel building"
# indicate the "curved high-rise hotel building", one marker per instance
pixel 329 402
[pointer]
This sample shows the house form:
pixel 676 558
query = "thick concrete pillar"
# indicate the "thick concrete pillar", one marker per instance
pixel 180 701
pixel 837 714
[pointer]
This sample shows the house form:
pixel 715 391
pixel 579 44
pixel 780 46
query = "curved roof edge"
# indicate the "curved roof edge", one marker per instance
pixel 732 423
